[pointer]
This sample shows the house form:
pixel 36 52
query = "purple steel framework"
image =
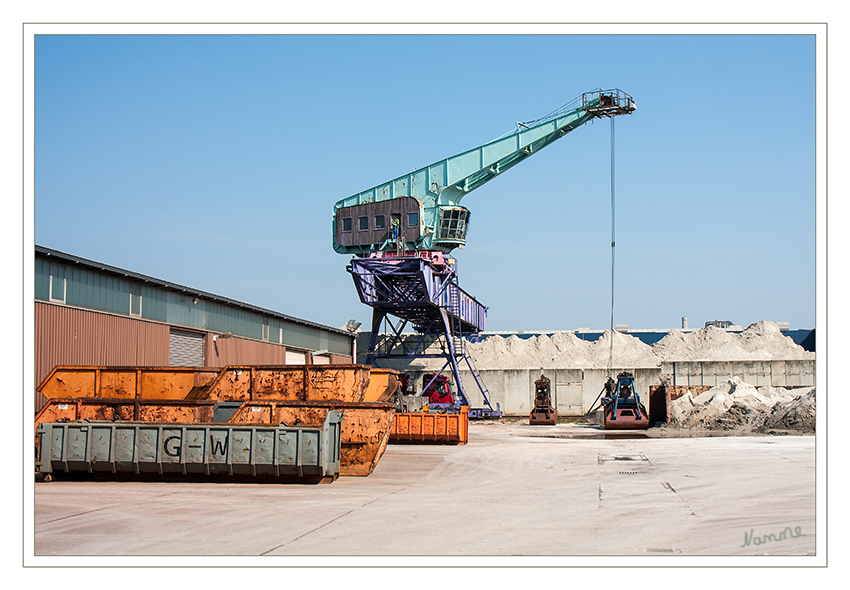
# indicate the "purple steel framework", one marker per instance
pixel 426 295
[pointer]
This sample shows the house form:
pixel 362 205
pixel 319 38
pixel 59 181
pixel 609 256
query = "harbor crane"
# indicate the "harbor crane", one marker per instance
pixel 401 234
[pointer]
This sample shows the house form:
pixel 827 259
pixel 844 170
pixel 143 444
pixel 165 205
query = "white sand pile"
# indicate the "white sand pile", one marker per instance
pixel 735 405
pixel 562 350
pixel 565 350
pixel 628 351
pixel 760 341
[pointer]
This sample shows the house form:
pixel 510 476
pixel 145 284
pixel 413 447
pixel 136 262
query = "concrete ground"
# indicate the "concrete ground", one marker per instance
pixel 513 490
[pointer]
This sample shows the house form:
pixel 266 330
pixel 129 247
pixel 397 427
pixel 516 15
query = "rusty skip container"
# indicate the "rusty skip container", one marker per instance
pixel 383 383
pixel 365 428
pixel 290 382
pixel 423 427
pixel 277 453
pixel 82 408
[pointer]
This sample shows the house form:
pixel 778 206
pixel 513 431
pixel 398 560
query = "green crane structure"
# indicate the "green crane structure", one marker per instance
pixel 421 210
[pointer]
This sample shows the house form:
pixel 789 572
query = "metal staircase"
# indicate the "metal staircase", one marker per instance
pixel 460 352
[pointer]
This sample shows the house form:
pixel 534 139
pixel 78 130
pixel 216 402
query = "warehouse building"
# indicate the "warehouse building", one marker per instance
pixel 93 314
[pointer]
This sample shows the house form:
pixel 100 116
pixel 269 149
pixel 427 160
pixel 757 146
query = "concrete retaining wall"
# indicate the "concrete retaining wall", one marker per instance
pixel 758 373
pixel 574 391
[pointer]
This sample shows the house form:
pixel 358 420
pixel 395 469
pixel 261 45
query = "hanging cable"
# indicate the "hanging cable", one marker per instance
pixel 611 347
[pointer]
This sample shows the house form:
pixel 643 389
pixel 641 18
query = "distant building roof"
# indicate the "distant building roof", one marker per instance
pixel 49 252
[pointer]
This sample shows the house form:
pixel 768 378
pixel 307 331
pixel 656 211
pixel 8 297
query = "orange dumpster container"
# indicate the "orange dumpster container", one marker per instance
pixel 291 382
pixel 294 394
pixel 382 384
pixel 126 382
pixel 422 427
pixel 81 408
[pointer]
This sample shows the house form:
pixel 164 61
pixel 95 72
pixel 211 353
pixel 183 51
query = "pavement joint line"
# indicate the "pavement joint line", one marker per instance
pixel 687 506
pixel 99 509
pixel 75 515
pixel 323 525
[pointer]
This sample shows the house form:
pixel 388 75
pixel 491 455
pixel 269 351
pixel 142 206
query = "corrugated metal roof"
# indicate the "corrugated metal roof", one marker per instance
pixel 179 288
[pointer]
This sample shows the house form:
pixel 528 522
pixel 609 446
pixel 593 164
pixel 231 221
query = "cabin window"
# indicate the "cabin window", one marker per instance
pixel 363 222
pixel 346 224
pixel 412 219
pixel 379 222
pixel 453 224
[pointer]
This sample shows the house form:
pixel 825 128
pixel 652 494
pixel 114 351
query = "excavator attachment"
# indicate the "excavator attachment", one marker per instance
pixel 543 412
pixel 622 406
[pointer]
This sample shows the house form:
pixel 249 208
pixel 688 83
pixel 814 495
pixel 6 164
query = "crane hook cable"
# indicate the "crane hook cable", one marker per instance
pixel 611 348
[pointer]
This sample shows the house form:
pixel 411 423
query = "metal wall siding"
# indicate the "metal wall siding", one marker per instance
pixel 85 288
pixel 339 344
pixel 179 311
pixel 42 279
pixel 94 290
pixel 240 351
pixel 300 336
pixel 173 310
pixel 152 307
pixel 70 336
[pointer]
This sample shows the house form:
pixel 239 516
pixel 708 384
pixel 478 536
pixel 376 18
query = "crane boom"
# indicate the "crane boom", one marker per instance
pixel 425 204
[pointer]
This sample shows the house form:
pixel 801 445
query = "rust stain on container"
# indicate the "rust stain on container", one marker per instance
pixel 126 382
pixel 347 383
pixel 423 427
pixel 230 384
pixel 295 395
pixel 173 385
pixel 58 410
pixel 117 384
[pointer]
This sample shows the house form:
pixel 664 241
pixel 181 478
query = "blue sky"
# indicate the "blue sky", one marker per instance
pixel 215 161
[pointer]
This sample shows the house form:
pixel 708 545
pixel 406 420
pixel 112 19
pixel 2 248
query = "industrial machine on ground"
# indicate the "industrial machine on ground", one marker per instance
pixel 622 406
pixel 543 411
pixel 438 389
pixel 401 232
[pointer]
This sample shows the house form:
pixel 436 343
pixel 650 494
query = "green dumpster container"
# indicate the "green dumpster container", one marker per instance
pixel 174 450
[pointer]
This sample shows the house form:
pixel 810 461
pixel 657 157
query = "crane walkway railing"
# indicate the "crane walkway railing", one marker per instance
pixel 412 289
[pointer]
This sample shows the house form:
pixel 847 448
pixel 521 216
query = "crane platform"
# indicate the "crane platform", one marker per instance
pixel 416 289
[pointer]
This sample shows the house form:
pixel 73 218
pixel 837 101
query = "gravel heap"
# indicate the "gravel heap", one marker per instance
pixel 737 406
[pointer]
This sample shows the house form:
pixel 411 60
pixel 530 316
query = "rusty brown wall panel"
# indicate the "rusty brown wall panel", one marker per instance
pixel 241 351
pixel 231 351
pixel 72 336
